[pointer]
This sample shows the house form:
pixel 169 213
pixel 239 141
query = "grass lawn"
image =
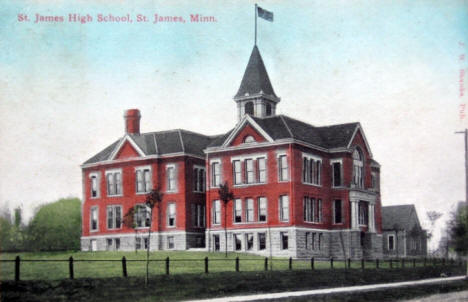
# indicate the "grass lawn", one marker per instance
pixel 189 286
pixel 88 264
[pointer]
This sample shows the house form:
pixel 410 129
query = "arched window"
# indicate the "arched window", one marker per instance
pixel 358 165
pixel 249 108
pixel 268 109
pixel 249 139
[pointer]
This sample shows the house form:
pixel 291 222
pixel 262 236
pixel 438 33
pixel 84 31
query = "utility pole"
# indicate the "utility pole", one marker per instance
pixel 466 172
pixel 466 161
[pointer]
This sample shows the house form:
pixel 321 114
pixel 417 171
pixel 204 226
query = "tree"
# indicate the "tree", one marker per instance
pixel 458 230
pixel 129 222
pixel 154 198
pixel 56 226
pixel 225 195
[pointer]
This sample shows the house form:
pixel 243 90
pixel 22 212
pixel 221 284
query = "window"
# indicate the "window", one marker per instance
pixel 308 209
pixel 216 242
pixel 249 171
pixel 312 209
pixel 268 110
pixel 358 177
pixel 142 216
pixel 261 169
pixel 320 241
pixel 237 172
pixel 215 174
pixel 262 209
pixel 307 242
pixel 171 179
pixel 216 212
pixel 337 212
pixel 249 139
pixel 391 242
pixel 314 246
pixel 117 244
pixel 114 183
pixel 198 215
pixel 237 210
pixel 249 241
pixel 237 242
pixel 375 180
pixel 318 212
pixel 143 180
pixel 170 242
pixel 284 241
pixel 138 243
pixel 199 179
pixel 94 185
pixel 284 208
pixel 94 219
pixel 109 244
pixel 336 173
pixel 171 215
pixel 249 109
pixel 249 210
pixel 283 168
pixel 261 241
pixel 311 169
pixel 363 213
pixel 114 217
pixel 93 245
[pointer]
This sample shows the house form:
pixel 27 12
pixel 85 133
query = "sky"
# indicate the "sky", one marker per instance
pixel 394 66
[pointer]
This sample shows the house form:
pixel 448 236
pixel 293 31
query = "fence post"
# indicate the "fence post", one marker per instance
pixel 17 268
pixel 402 262
pixel 70 267
pixel 206 265
pixel 124 266
pixel 425 259
pixel 376 262
pixel 391 263
pixel 266 263
pixel 349 262
pixel 237 264
pixel 167 266
pixel 290 263
pixel 331 262
pixel 414 262
pixel 362 263
pixel 312 264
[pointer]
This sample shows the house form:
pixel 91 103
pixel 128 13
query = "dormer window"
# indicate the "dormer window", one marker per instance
pixel 249 139
pixel 249 109
pixel 268 110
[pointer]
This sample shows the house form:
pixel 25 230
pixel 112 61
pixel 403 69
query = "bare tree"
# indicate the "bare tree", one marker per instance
pixel 225 195
pixel 154 198
pixel 433 216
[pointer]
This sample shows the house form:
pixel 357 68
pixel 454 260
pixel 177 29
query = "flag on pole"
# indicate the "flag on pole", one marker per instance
pixel 264 14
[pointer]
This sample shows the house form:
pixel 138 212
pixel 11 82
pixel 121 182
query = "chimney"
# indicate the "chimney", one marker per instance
pixel 132 121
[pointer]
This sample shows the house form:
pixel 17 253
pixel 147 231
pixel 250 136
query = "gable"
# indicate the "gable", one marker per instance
pixel 126 151
pixel 360 140
pixel 246 131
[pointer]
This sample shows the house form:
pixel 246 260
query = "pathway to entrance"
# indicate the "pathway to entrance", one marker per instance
pixel 346 289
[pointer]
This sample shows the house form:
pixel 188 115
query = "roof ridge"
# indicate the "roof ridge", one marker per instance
pixel 286 125
pixel 155 143
pixel 181 140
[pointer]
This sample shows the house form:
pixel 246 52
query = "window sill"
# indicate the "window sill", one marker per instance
pixel 338 223
pixel 171 226
pixel 142 193
pixel 249 184
pixel 313 222
pixel 311 184
pixel 116 195
pixel 94 197
pixel 283 181
pixel 172 192
pixel 141 228
pixel 198 191
pixel 93 231
pixel 249 222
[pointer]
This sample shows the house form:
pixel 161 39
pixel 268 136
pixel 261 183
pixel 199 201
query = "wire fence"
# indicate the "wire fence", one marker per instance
pixel 19 269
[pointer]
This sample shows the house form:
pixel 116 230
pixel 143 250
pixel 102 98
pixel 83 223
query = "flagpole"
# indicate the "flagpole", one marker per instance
pixel 255 24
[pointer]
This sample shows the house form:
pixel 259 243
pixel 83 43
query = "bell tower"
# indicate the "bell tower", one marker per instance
pixel 256 95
